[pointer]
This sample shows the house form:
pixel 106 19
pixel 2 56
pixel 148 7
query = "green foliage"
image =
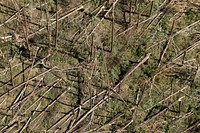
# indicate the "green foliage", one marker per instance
pixel 166 128
pixel 104 120
pixel 97 2
pixel 150 69
pixel 114 74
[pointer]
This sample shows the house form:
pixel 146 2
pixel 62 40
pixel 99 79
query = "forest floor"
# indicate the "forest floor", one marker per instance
pixel 103 66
